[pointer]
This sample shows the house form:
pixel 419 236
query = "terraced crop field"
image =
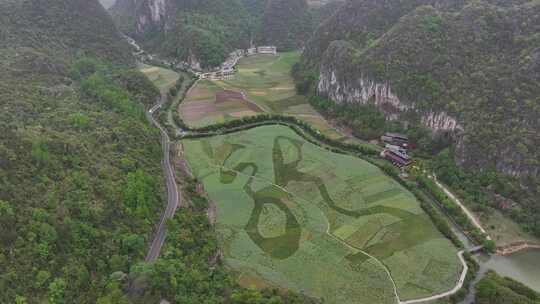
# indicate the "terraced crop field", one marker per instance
pixel 293 215
pixel 266 81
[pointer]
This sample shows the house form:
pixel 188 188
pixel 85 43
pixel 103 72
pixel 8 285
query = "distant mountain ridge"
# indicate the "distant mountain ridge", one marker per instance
pixel 205 31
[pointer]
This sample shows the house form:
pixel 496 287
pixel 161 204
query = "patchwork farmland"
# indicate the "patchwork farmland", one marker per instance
pixel 293 215
pixel 266 84
pixel 207 103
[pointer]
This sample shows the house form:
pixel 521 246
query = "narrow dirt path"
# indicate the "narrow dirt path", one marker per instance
pixel 467 212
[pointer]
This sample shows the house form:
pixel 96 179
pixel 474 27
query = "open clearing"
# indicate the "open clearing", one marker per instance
pixel 296 216
pixel 505 231
pixel 266 81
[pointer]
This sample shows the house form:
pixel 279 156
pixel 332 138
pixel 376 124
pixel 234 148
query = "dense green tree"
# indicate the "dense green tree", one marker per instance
pixel 139 193
pixel 57 289
pixel 42 277
pixel 493 289
pixel 20 300
pixel 489 245
pixel 114 295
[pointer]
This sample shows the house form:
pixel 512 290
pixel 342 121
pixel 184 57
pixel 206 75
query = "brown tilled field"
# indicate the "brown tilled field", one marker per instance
pixel 227 95
pixel 207 104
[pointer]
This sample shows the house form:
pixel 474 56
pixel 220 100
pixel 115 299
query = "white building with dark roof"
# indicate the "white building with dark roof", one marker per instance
pixel 272 50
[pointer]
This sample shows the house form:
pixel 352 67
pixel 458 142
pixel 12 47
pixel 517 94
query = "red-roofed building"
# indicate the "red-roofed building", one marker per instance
pixel 396 159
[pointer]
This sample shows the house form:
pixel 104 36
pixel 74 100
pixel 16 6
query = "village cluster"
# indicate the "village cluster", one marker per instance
pixel 226 70
pixel 396 149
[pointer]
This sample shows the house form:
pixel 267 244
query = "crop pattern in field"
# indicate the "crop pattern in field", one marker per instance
pixel 303 218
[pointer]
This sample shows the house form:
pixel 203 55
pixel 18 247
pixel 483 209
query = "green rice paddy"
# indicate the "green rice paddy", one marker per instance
pixel 325 224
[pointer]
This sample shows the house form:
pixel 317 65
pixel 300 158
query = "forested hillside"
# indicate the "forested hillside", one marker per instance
pixel 493 289
pixel 466 71
pixel 287 24
pixel 80 178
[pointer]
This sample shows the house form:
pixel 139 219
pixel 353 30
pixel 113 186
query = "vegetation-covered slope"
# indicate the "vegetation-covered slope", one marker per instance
pixel 79 165
pixel 478 64
pixel 468 68
pixel 287 24
pixel 493 289
pixel 61 29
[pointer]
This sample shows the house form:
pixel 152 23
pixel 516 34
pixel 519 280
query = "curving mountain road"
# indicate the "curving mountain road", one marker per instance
pixel 173 197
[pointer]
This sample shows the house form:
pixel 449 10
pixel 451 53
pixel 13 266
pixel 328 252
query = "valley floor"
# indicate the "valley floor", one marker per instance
pixel 293 215
pixel 285 206
pixel 263 84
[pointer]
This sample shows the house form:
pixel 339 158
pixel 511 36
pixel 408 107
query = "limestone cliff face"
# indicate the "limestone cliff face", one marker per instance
pixel 440 121
pixel 360 90
pixel 154 15
pixel 137 17
pixel 340 81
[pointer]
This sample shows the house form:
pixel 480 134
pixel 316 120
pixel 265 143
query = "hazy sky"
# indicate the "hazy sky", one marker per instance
pixel 107 3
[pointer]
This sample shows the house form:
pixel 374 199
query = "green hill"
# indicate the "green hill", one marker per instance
pixel 472 68
pixel 80 179
pixel 464 71
pixel 287 24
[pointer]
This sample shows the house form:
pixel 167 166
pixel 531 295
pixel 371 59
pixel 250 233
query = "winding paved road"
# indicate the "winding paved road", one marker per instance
pixel 173 197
